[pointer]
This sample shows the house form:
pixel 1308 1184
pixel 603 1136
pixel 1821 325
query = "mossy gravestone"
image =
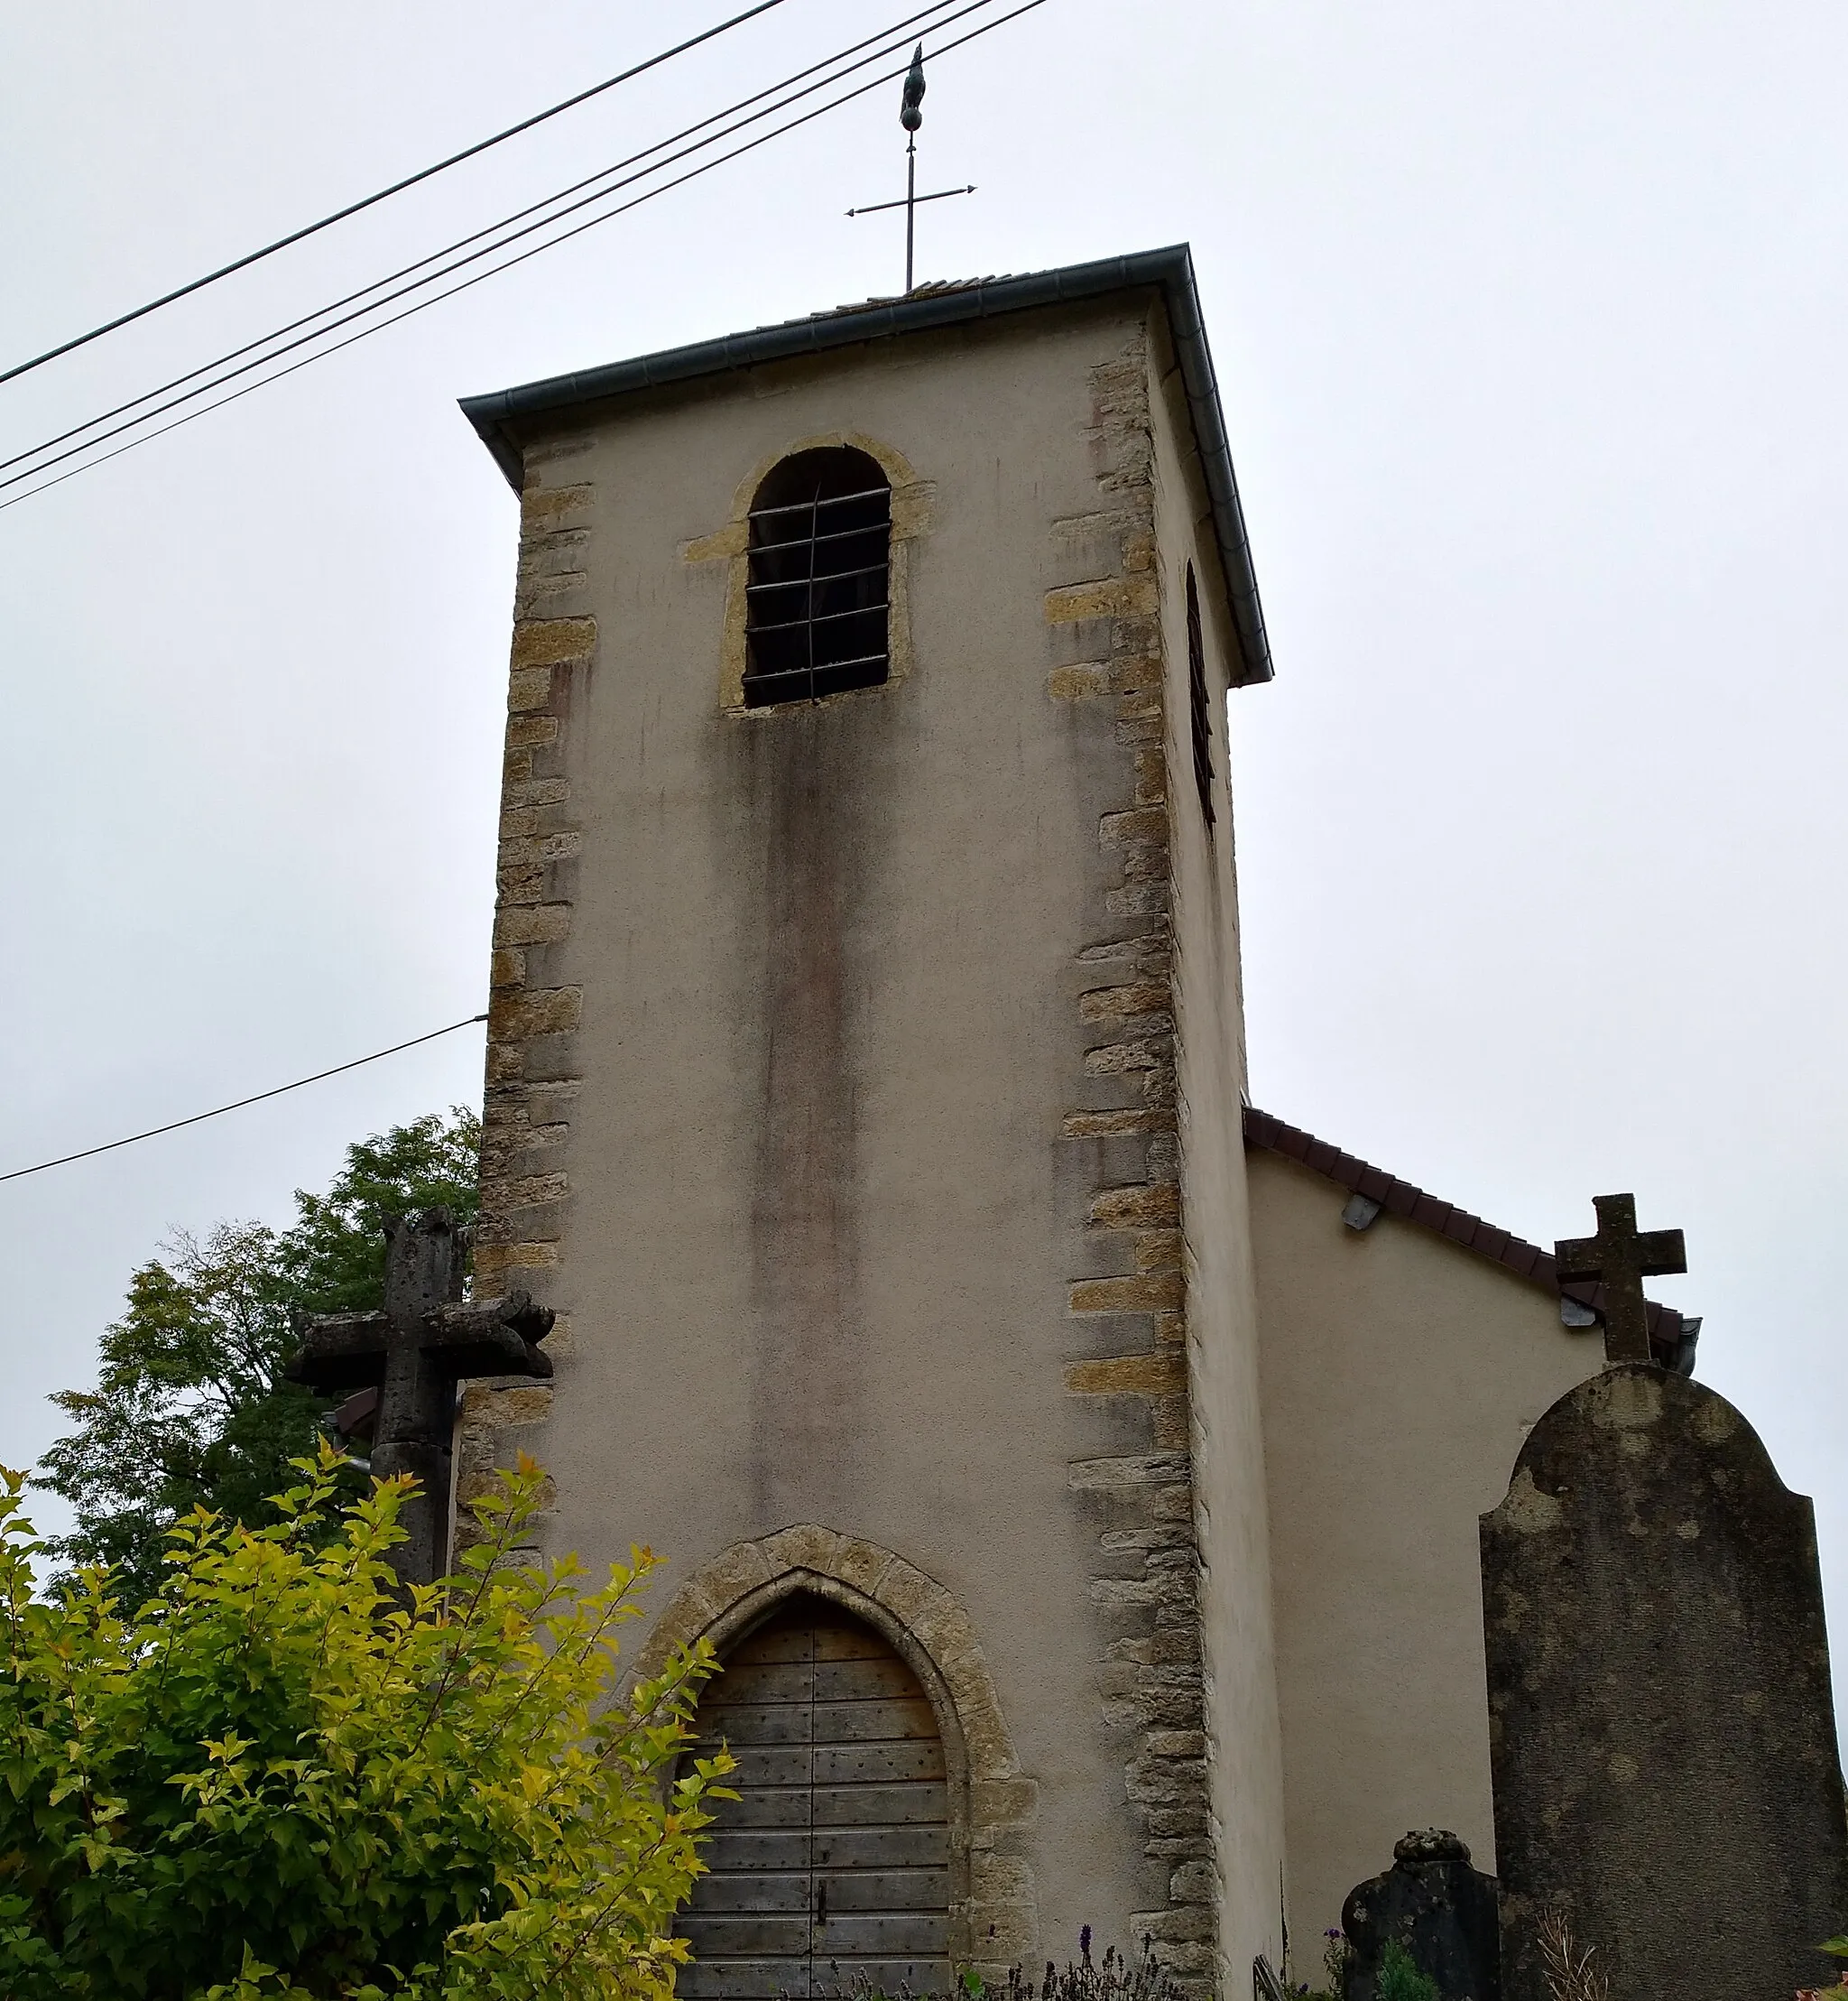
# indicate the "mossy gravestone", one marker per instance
pixel 1662 1734
pixel 1437 1910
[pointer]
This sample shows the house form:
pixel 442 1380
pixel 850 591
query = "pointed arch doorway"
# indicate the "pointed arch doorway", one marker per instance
pixel 834 1861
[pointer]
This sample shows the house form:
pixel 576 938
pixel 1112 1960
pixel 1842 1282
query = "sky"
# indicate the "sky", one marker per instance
pixel 1528 327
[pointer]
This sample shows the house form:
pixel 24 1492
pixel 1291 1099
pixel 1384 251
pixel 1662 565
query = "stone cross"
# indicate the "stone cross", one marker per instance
pixel 414 1353
pixel 1621 1256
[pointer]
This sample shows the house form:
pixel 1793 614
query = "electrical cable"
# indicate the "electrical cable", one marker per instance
pixel 620 208
pixel 550 201
pixel 397 188
pixel 321 312
pixel 154 1132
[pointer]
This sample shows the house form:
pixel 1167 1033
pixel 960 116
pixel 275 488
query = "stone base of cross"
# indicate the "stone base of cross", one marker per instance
pixel 414 1353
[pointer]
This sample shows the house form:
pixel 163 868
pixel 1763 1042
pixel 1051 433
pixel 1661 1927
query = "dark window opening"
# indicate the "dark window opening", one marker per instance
pixel 817 593
pixel 1199 708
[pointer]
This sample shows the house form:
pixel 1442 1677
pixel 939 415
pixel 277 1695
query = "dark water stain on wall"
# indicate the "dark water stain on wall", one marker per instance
pixel 808 785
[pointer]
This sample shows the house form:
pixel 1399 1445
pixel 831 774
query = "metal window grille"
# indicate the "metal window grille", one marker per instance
pixel 1199 708
pixel 818 589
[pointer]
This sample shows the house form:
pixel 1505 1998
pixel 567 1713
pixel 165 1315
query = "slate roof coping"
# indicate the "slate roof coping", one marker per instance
pixel 1671 1333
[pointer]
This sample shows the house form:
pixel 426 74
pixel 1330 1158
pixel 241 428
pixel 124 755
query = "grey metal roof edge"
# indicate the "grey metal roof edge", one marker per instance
pixel 1171 269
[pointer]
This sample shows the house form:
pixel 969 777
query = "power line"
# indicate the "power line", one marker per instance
pixel 154 1132
pixel 550 201
pixel 564 237
pixel 384 194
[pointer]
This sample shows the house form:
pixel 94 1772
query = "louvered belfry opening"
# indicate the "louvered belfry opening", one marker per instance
pixel 1199 708
pixel 818 589
pixel 834 1861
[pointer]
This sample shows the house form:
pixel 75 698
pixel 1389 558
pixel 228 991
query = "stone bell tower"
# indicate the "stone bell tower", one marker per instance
pixel 863 1094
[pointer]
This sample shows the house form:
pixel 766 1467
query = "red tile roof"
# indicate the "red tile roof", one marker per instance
pixel 1668 1330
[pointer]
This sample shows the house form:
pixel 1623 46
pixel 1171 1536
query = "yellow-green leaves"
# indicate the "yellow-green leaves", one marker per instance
pixel 278 1782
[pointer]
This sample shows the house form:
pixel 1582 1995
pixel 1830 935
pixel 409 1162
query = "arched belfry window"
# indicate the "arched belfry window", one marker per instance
pixel 818 594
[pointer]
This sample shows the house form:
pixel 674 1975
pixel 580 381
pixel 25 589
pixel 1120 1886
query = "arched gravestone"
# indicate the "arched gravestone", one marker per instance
pixel 1441 1911
pixel 834 1861
pixel 1662 1734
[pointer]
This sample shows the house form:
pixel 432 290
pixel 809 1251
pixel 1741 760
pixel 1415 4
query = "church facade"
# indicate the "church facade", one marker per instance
pixel 1077 1471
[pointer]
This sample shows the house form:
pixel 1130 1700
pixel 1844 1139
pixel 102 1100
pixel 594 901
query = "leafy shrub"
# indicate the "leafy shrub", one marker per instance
pixel 1399 1978
pixel 1837 1949
pixel 279 1783
pixel 1337 1957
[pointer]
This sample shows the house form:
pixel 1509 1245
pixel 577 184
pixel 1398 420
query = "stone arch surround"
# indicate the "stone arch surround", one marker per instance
pixel 994 1916
pixel 912 500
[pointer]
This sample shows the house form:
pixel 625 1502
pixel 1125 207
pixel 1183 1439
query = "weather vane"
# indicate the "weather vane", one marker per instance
pixel 911 115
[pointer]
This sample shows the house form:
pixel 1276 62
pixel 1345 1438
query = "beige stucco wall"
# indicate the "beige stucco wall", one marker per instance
pixel 1230 1496
pixel 1400 1374
pixel 801 1092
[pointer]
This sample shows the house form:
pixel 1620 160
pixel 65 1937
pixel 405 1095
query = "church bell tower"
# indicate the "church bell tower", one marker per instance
pixel 863 1093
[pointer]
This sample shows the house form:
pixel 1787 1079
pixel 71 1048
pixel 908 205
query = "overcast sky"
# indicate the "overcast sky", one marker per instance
pixel 1530 326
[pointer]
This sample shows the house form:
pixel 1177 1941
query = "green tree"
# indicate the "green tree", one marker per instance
pixel 333 1256
pixel 278 1782
pixel 190 1408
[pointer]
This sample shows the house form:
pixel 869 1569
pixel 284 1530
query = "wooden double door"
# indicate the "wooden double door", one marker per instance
pixel 832 1865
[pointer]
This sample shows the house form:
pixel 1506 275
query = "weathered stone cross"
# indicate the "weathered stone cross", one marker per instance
pixel 415 1352
pixel 1621 1256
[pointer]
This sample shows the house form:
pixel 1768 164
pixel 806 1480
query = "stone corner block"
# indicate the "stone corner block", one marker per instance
pixel 553 642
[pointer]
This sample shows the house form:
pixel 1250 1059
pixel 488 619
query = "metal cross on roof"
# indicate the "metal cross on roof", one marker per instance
pixel 1621 1256
pixel 415 1352
pixel 910 116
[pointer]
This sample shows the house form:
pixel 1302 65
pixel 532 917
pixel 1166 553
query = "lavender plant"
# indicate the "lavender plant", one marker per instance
pixel 1114 1977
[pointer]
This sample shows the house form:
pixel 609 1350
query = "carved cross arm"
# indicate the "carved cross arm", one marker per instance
pixel 489 1337
pixel 1657 1254
pixel 341 1352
